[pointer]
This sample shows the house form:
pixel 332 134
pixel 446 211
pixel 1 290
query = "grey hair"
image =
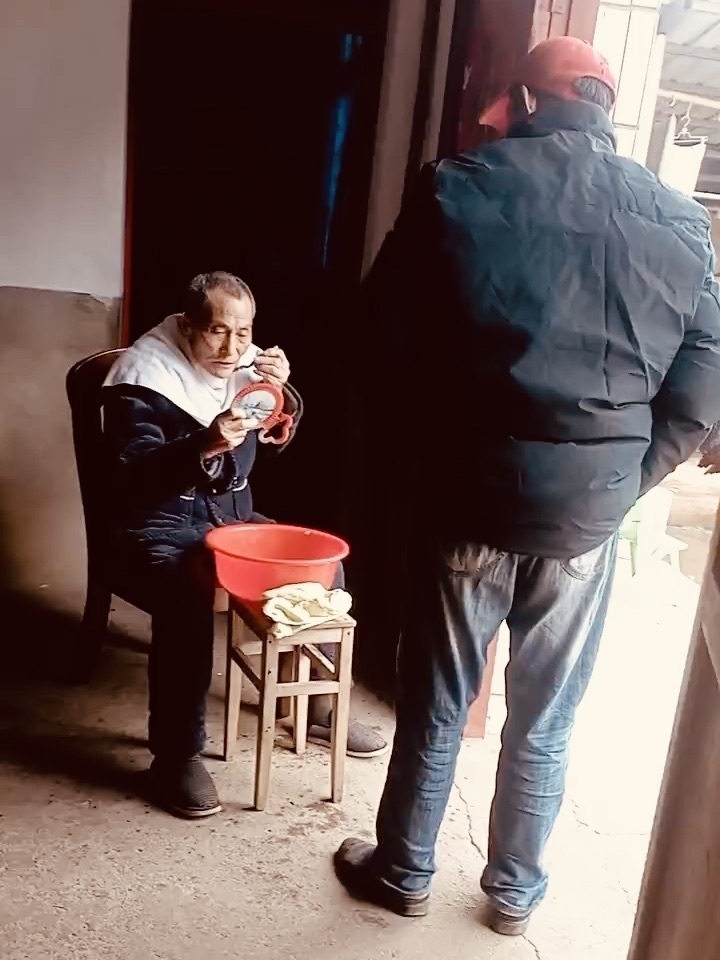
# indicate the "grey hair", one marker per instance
pixel 595 91
pixel 198 308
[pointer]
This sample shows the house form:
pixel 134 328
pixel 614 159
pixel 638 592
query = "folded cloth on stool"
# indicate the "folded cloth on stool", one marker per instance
pixel 298 606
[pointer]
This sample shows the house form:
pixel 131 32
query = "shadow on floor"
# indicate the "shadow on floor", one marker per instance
pixel 51 726
pixel 39 639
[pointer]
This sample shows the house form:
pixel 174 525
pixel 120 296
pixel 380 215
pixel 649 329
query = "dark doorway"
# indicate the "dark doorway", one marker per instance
pixel 251 141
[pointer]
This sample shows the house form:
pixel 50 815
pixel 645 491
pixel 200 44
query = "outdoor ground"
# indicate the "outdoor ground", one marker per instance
pixel 89 872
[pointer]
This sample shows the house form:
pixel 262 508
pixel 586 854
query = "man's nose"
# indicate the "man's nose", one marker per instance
pixel 231 344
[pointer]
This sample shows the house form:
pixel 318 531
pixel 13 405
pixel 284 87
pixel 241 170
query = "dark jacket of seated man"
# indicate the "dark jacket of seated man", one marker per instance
pixel 168 495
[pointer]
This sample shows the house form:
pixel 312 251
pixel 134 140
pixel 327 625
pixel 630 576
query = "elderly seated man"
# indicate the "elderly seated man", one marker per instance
pixel 182 462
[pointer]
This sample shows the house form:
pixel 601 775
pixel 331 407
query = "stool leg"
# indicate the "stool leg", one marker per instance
pixel 287 673
pixel 266 720
pixel 300 712
pixel 222 601
pixel 233 694
pixel 341 715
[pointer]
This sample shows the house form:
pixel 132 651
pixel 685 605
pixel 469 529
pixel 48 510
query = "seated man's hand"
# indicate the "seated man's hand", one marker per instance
pixel 711 461
pixel 273 366
pixel 227 432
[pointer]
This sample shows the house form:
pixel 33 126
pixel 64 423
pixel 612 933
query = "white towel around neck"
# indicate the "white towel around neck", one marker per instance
pixel 160 360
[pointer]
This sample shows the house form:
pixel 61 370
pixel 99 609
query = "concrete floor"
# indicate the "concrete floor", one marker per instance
pixel 90 872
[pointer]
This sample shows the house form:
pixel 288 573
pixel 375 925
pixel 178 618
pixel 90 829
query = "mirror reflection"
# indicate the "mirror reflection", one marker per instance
pixel 259 405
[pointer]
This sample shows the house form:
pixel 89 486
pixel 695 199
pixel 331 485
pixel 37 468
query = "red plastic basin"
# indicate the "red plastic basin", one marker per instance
pixel 251 558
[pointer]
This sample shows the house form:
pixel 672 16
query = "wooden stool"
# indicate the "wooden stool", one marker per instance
pixel 253 638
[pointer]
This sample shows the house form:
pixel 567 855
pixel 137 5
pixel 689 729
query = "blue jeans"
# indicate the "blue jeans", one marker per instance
pixel 458 597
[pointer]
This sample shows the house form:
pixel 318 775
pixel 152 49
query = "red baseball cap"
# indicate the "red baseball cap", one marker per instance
pixel 555 65
pixel 552 67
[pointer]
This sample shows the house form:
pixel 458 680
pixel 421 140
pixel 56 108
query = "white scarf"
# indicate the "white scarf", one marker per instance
pixel 161 361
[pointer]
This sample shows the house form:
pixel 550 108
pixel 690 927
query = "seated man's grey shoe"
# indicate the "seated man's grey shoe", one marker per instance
pixel 363 741
pixel 183 788
pixel 356 872
pixel 507 925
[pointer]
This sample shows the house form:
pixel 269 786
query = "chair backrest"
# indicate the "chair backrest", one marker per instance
pixel 645 526
pixel 654 518
pixel 84 386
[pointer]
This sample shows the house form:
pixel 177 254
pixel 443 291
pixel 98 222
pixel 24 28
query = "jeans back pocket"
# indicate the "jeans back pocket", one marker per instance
pixel 472 559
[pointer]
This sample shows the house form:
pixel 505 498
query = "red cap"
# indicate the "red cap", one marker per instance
pixel 555 65
pixel 552 67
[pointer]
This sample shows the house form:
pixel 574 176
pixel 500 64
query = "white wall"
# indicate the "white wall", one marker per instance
pixel 63 80
pixel 626 33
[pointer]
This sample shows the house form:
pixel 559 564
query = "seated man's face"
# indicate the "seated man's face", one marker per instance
pixel 218 347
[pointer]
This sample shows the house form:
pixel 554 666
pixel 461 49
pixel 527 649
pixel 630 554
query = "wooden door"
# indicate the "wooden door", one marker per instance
pixel 250 150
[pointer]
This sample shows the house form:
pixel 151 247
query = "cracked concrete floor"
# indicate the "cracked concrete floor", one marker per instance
pixel 90 872
pixel 597 852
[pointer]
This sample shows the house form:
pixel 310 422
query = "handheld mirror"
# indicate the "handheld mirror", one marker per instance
pixel 264 402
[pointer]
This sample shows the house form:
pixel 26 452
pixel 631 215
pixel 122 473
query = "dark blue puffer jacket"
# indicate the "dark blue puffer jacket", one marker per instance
pixel 548 308
pixel 166 496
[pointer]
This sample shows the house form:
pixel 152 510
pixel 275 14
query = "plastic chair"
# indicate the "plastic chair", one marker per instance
pixel 645 530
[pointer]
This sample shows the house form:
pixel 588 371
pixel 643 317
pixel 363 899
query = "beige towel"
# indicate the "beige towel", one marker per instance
pixel 301 605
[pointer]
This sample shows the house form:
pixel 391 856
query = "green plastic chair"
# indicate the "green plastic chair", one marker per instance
pixel 645 530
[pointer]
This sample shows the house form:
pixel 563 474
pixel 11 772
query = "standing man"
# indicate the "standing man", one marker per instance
pixel 551 308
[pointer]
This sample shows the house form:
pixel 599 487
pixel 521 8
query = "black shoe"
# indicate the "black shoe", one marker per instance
pixel 507 925
pixel 354 869
pixel 183 788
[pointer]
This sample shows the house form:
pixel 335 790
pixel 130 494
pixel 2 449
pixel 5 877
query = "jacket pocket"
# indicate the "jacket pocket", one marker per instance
pixel 186 503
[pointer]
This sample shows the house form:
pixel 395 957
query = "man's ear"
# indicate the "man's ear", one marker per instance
pixel 184 326
pixel 522 103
